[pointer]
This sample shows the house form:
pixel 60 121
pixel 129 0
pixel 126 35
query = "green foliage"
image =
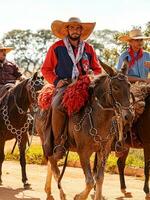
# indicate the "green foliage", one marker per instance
pixel 135 158
pixel 34 155
pixel 30 47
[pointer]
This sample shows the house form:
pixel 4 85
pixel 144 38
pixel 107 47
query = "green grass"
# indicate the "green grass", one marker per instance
pixel 34 155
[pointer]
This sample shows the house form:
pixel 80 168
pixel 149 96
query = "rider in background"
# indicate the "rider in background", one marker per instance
pixel 65 61
pixel 138 59
pixel 9 71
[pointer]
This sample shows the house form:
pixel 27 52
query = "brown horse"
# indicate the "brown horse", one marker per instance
pixel 15 119
pixel 141 128
pixel 92 130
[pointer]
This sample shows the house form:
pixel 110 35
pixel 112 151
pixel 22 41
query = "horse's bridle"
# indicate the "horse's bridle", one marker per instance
pixel 117 107
pixel 117 126
pixel 31 88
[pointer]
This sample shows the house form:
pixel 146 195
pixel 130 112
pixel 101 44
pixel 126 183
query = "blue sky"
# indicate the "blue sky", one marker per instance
pixel 36 14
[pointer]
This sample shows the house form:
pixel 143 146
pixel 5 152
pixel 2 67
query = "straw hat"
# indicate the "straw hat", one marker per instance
pixel 59 28
pixel 134 34
pixel 7 49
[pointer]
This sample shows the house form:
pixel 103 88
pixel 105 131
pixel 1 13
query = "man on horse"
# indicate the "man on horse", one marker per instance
pixel 138 59
pixel 9 72
pixel 138 69
pixel 65 61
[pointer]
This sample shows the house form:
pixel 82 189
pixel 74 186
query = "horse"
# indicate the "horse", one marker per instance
pixel 15 119
pixel 141 128
pixel 90 130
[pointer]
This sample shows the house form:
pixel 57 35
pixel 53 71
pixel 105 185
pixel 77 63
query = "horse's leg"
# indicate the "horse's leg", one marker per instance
pixel 53 170
pixel 2 156
pixel 99 174
pixel 146 170
pixel 48 182
pixel 85 163
pixel 121 166
pixel 22 148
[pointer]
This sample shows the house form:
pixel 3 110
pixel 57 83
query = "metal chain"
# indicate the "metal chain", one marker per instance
pixel 10 127
pixel 20 110
pixel 93 131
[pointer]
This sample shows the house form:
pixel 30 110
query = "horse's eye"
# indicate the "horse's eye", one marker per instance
pixel 115 88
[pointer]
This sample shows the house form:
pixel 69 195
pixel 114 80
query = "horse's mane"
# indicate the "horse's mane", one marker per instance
pixel 147 101
pixel 99 78
pixel 18 89
pixel 97 81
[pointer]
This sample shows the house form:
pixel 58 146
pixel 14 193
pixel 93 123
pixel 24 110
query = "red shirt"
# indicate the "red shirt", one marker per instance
pixel 58 64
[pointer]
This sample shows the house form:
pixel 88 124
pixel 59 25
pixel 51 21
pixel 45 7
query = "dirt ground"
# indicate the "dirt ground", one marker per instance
pixel 73 182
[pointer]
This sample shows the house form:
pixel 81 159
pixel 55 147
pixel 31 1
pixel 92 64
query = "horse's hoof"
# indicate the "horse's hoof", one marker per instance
pixel 27 186
pixel 50 197
pixel 62 196
pixel 147 196
pixel 126 194
pixel 78 197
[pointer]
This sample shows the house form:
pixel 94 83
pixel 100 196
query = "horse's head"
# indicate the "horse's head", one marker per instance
pixel 34 84
pixel 113 91
pixel 118 89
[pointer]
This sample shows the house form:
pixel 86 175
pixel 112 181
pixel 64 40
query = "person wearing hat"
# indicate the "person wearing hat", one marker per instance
pixel 138 59
pixel 66 59
pixel 9 72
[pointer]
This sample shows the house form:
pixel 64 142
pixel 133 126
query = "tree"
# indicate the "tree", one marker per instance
pixel 29 47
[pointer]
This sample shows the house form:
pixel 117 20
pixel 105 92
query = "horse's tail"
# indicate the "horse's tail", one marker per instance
pixel 95 164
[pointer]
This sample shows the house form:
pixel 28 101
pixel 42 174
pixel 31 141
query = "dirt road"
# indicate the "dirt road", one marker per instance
pixel 73 183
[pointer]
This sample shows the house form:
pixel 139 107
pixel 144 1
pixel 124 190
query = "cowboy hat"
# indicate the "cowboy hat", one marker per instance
pixel 134 34
pixel 7 49
pixel 59 28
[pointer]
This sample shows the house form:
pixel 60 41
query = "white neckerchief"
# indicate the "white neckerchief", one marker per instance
pixel 75 60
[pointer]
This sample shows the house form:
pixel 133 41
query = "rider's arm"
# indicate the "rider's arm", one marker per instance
pixel 133 79
pixel 48 67
pixel 95 65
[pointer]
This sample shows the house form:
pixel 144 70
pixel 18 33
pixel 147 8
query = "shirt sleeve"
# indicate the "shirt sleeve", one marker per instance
pixel 48 67
pixel 16 71
pixel 120 62
pixel 95 65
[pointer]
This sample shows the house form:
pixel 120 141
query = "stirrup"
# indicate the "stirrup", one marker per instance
pixel 61 146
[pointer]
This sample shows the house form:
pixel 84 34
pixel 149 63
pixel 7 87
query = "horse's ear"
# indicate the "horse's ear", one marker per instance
pixel 109 70
pixel 124 67
pixel 42 78
pixel 35 76
pixel 91 89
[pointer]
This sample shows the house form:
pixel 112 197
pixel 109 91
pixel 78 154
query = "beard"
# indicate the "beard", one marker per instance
pixel 77 38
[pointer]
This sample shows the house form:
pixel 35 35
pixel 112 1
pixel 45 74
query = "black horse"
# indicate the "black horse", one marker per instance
pixel 141 128
pixel 15 119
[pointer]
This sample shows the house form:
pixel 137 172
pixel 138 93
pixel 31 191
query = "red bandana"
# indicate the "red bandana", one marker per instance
pixel 133 58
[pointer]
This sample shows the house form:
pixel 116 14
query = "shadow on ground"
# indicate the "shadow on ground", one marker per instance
pixel 14 194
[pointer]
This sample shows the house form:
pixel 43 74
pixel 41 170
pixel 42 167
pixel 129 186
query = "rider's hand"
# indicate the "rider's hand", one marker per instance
pixel 61 83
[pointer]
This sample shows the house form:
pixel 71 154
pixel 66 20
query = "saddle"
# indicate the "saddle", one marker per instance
pixel 4 89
